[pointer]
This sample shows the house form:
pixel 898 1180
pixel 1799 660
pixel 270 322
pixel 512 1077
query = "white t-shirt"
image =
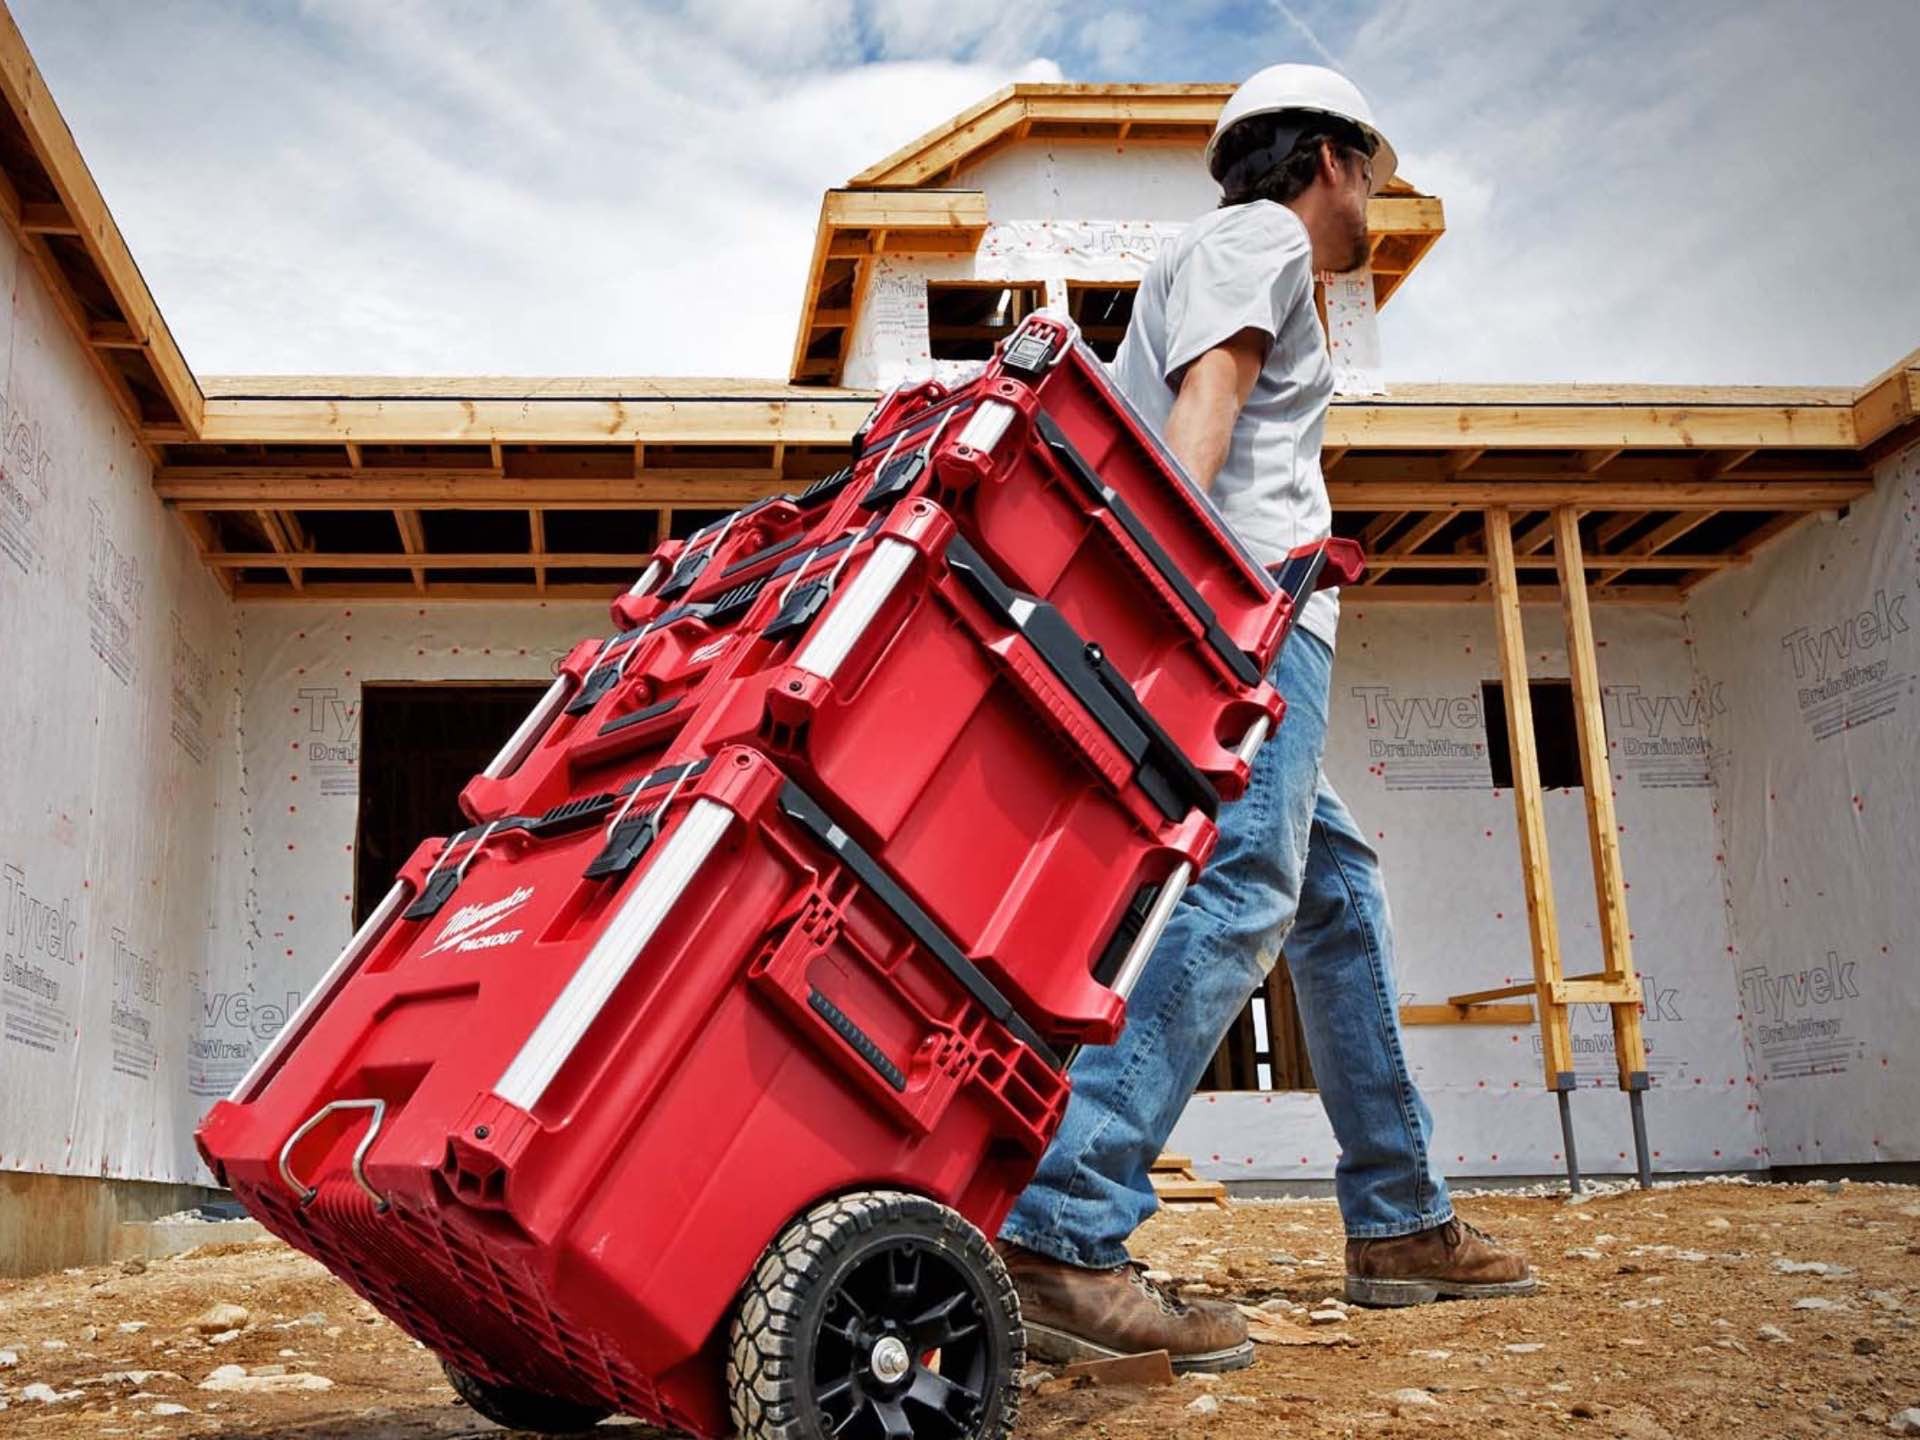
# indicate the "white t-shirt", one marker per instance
pixel 1245 267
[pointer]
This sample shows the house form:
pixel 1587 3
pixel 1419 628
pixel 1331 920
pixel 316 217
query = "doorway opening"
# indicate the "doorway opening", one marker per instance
pixel 419 744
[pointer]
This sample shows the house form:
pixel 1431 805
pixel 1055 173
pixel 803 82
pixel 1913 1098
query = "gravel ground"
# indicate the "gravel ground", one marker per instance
pixel 1696 1310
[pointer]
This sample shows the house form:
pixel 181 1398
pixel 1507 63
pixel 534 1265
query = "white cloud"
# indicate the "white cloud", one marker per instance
pixel 571 188
pixel 1691 194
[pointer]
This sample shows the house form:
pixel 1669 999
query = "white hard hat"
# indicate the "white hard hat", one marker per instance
pixel 1313 89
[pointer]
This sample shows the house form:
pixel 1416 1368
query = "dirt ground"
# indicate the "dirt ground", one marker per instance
pixel 1698 1310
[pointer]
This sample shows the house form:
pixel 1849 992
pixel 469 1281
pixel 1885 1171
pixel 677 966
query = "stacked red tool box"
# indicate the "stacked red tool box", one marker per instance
pixel 690 1078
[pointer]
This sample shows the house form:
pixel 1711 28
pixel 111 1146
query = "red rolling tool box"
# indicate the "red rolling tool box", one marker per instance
pixel 690 1083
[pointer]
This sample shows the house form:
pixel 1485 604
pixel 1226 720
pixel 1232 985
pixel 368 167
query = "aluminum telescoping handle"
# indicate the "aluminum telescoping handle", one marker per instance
pixel 530 731
pixel 1251 742
pixel 1149 936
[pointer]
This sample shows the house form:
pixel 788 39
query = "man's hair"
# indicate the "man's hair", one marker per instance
pixel 1288 177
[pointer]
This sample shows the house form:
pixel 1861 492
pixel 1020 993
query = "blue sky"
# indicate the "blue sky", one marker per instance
pixel 1707 192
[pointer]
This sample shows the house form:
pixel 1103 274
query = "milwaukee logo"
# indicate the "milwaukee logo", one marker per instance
pixel 1823 984
pixel 1866 631
pixel 471 926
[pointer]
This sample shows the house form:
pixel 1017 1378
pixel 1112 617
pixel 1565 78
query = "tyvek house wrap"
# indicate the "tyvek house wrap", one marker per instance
pixel 117 701
pixel 1816 749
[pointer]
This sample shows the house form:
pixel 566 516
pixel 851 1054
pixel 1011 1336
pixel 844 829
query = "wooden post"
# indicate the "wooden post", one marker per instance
pixel 1529 811
pixel 1603 832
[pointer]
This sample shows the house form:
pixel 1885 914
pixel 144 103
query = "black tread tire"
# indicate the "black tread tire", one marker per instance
pixel 513 1409
pixel 770 1341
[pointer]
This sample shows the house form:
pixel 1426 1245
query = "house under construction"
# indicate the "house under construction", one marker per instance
pixel 1627 697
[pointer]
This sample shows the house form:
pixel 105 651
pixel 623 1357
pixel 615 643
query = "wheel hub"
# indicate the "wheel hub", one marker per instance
pixel 890 1360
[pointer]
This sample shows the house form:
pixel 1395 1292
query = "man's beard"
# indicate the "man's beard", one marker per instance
pixel 1358 245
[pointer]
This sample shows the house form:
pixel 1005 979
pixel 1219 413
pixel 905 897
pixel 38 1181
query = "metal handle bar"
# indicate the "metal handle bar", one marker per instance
pixel 307 1192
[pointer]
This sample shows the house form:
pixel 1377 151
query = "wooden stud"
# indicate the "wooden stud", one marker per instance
pixel 537 540
pixel 1603 833
pixel 354 457
pixel 1529 806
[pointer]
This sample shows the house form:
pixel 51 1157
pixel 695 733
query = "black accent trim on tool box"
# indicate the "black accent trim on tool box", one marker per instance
pixel 803 809
pixel 640 717
pixel 1103 495
pixel 1161 768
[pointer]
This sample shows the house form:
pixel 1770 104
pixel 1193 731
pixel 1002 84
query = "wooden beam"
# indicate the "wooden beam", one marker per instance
pixel 332 592
pixel 1614 526
pixel 1456 461
pixel 537 540
pixel 1715 466
pixel 1888 402
pixel 1412 594
pixel 716 420
pixel 413 539
pixel 1421 531
pixel 1647 548
pixel 1473 559
pixel 49 218
pixel 277 537
pixel 1509 1016
pixel 1603 832
pixel 1594 461
pixel 1595 428
pixel 1470 494
pixel 1331 457
pixel 113 335
pixel 206 540
pixel 1499 992
pixel 1379 528
pixel 414 560
pixel 383 488
pixel 354 456
pixel 1529 807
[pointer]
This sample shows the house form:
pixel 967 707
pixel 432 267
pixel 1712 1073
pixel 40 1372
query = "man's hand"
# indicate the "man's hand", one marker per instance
pixel 1212 390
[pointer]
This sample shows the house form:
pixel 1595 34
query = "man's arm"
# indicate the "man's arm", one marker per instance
pixel 1212 390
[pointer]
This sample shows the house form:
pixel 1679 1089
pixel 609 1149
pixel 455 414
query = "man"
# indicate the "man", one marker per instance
pixel 1226 355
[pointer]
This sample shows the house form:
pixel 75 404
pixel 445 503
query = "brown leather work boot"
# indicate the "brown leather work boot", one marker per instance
pixel 1452 1261
pixel 1072 1313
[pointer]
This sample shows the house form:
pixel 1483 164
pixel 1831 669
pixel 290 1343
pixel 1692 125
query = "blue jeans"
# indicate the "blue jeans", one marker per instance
pixel 1291 868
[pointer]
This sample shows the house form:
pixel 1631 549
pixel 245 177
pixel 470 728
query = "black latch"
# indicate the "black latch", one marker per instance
pixel 686 572
pixel 821 491
pixel 597 684
pixel 438 890
pixel 735 602
pixel 798 612
pixel 896 477
pixel 1029 353
pixel 636 830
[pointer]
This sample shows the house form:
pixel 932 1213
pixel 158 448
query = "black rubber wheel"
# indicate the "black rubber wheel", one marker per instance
pixel 523 1409
pixel 877 1316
